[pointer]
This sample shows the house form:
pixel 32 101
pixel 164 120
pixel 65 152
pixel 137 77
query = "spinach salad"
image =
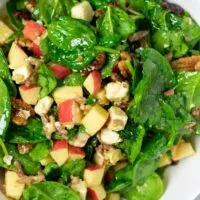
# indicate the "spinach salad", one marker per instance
pixel 97 97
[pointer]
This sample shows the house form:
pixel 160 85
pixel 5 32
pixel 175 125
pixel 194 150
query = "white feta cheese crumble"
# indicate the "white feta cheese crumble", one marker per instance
pixel 7 159
pixel 117 91
pixel 43 106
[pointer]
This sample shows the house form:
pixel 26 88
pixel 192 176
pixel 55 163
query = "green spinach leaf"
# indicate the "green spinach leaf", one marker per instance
pixel 30 133
pixel 46 80
pixel 99 4
pixel 74 79
pixel 49 191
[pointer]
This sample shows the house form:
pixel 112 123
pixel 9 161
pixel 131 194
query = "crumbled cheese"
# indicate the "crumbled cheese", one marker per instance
pixel 83 11
pixel 20 74
pixel 43 106
pixel 7 159
pixel 117 91
pixel 118 119
pixel 79 140
pixel 109 137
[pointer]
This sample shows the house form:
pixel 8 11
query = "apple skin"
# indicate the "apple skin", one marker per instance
pixel 29 94
pixel 60 71
pixel 36 50
pixel 93 82
pixel 76 152
pixel 33 30
pixel 96 192
pixel 69 112
pixel 93 175
pixel 60 152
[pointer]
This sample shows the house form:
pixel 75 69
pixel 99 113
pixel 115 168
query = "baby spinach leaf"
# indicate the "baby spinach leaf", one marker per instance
pixel 40 151
pixel 46 80
pixel 30 133
pixel 65 34
pixel 157 76
pixel 74 167
pixel 49 191
pixel 5 109
pixel 152 189
pixel 5 74
pixel 107 69
pixel 115 24
pixel 98 4
pixel 74 79
pixel 132 140
pixel 189 85
pixel 52 171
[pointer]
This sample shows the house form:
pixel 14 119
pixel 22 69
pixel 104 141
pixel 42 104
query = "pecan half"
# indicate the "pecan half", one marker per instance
pixel 138 36
pixel 191 63
pixel 174 8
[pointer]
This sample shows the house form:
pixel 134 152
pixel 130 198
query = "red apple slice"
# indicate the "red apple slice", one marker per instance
pixel 93 175
pixel 29 94
pixel 96 192
pixel 76 152
pixel 69 112
pixel 33 30
pixel 60 152
pixel 36 50
pixel 93 82
pixel 60 71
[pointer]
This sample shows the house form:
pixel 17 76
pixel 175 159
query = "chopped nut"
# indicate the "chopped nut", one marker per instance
pixel 169 93
pixel 61 129
pixel 187 63
pixel 123 69
pixel 138 36
pixel 23 42
pixel 24 148
pixel 49 127
pixel 124 55
pixel 32 179
pixel 169 56
pixel 191 125
pixel 173 7
pixel 196 112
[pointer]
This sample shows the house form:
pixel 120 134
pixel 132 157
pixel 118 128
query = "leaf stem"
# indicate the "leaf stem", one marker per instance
pixel 3 147
pixel 107 50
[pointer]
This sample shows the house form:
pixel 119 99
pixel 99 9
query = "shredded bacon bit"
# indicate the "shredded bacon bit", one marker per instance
pixel 96 65
pixel 169 93
pixel 187 63
pixel 138 36
pixel 24 148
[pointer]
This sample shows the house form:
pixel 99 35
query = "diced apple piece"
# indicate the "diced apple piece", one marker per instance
pixel 76 152
pixel 69 113
pixel 101 97
pixel 79 140
pixel 80 187
pixel 93 175
pixel 33 30
pixel 97 192
pixel 60 152
pixel 118 119
pixel 13 188
pixel 5 33
pixel 21 74
pixel 29 94
pixel 113 196
pixel 17 57
pixel 83 11
pixel 165 160
pixel 43 106
pixel 36 50
pixel 60 71
pixel 182 150
pixel 93 82
pixel 113 155
pixel 109 137
pixel 46 160
pixel 95 119
pixel 117 91
pixel 64 93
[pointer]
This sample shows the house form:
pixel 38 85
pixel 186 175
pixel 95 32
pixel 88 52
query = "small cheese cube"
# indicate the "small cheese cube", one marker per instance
pixel 117 91
pixel 43 106
pixel 20 74
pixel 95 119
pixel 109 137
pixel 13 188
pixel 118 119
pixel 83 11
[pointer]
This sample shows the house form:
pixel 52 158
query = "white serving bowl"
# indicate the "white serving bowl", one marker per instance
pixel 182 181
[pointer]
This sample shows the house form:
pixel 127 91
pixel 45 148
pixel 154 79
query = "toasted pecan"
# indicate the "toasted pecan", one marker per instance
pixel 191 63
pixel 138 36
